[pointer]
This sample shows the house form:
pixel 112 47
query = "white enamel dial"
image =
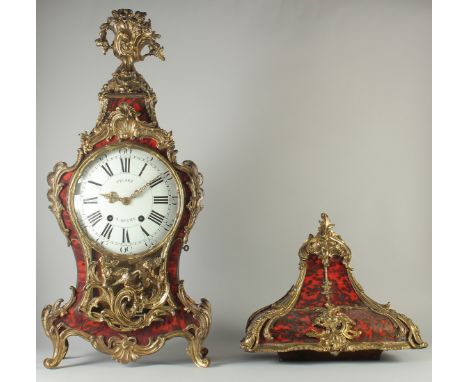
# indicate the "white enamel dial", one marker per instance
pixel 126 200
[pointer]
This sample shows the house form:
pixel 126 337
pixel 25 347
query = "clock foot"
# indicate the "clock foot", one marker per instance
pixel 55 330
pixel 60 351
pixel 198 353
pixel 202 313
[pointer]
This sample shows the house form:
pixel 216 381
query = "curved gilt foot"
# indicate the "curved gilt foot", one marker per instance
pixel 198 353
pixel 195 349
pixel 55 330
pixel 196 334
pixel 60 345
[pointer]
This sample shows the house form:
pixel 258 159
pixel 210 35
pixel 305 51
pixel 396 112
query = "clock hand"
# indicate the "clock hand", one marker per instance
pixel 141 189
pixel 113 197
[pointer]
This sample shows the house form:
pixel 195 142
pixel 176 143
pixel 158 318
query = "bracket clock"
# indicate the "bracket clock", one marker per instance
pixel 126 208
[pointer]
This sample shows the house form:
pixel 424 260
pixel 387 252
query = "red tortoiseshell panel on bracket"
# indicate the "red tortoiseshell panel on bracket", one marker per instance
pixel 293 326
pixel 311 292
pixel 138 103
pixel 77 320
pixel 342 292
pixel 373 326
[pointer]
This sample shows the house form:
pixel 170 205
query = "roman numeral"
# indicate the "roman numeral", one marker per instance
pixel 125 237
pixel 156 217
pixel 106 232
pixel 143 169
pixel 107 169
pixel 90 200
pixel 95 218
pixel 95 183
pixel 125 162
pixel 156 181
pixel 160 199
pixel 144 231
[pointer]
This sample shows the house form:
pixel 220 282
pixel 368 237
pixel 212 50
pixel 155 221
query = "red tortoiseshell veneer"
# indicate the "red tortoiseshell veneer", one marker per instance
pixel 326 313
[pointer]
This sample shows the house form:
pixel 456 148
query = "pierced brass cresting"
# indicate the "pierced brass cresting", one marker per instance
pixel 131 292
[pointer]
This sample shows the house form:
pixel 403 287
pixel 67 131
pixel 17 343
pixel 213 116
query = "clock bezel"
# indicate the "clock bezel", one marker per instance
pixel 85 239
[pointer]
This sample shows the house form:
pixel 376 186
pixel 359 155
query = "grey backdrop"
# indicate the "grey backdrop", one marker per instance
pixel 289 108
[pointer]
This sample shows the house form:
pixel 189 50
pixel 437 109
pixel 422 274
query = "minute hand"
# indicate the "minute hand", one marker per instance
pixel 141 189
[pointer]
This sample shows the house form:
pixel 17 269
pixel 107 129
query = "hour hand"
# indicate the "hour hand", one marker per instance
pixel 112 197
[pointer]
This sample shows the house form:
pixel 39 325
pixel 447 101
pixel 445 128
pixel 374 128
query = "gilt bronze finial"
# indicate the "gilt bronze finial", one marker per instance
pixel 134 40
pixel 132 33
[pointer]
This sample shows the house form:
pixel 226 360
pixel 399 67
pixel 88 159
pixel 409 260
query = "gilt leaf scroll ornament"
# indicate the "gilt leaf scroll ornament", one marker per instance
pixel 134 40
pixel 132 33
pixel 337 330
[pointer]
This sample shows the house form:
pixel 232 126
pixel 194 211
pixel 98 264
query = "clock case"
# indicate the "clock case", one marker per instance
pixel 326 314
pixel 127 307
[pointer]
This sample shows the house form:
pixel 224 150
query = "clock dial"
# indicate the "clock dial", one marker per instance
pixel 127 200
